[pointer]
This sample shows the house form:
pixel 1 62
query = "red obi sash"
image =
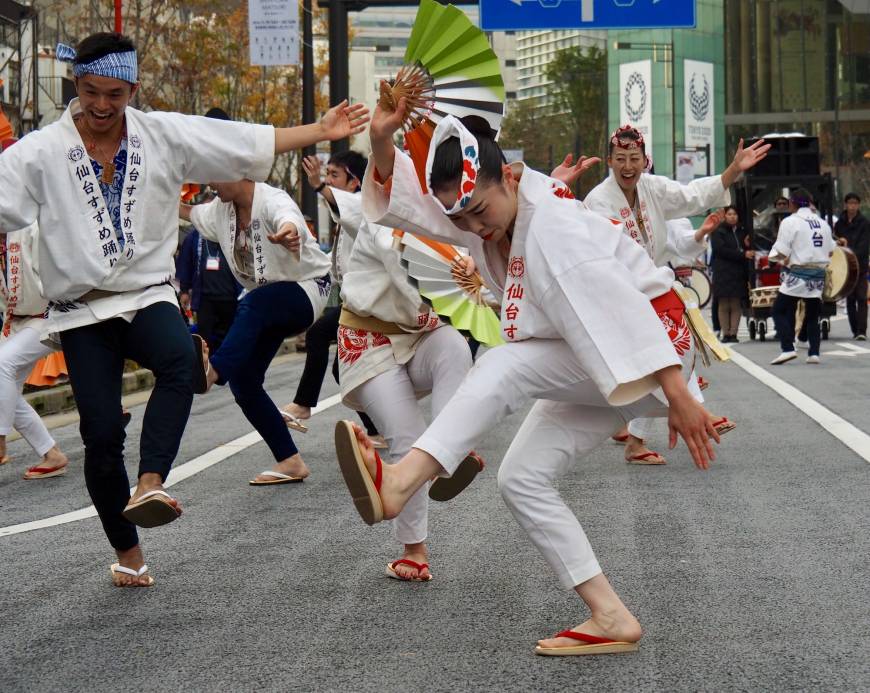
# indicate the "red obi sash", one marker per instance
pixel 671 312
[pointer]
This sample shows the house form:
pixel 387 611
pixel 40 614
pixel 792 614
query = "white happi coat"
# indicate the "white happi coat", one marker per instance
pixel 47 177
pixel 254 260
pixel 21 300
pixel 660 199
pixel 349 218
pixel 376 285
pixel 805 239
pixel 557 246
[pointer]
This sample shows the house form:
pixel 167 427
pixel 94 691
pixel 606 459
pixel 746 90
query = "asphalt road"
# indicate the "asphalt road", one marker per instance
pixel 752 576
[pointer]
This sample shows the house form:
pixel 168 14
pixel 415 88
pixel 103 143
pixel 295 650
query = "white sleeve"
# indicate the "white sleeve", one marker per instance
pixel 18 206
pixel 681 239
pixel 782 247
pixel 209 150
pixel 204 219
pixel 617 337
pixel 406 207
pixel 281 209
pixel 349 216
pixel 678 200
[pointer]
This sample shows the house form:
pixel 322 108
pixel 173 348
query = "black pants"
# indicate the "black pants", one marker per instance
pixel 856 306
pixel 214 318
pixel 784 318
pixel 717 327
pixel 157 339
pixel 317 340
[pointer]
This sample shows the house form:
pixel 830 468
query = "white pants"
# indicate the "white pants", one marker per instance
pixel 571 420
pixel 18 353
pixel 439 364
pixel 642 427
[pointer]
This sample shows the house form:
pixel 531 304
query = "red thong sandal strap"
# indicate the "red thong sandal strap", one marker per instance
pixel 379 473
pixel 477 458
pixel 645 456
pixel 591 639
pixel 419 567
pixel 43 470
pixel 721 421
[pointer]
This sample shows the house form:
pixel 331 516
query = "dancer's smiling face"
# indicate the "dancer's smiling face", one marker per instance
pixel 103 101
pixel 492 210
pixel 627 166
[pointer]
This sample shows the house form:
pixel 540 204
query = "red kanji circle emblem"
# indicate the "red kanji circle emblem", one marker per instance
pixel 517 267
pixel 625 212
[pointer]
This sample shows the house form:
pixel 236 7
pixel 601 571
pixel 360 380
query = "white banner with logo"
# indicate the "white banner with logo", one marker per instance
pixel 273 28
pixel 699 108
pixel 635 97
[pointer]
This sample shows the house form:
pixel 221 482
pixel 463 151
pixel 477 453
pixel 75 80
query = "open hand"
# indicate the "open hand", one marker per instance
pixel 311 166
pixel 745 159
pixel 711 223
pixel 344 120
pixel 570 174
pixel 688 419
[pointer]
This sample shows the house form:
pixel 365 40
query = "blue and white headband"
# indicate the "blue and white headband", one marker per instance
pixel 451 126
pixel 123 66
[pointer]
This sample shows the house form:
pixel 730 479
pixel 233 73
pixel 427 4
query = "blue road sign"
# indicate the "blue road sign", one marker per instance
pixel 515 15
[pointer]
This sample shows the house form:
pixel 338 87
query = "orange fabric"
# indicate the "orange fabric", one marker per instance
pixel 6 132
pixel 417 143
pixel 47 370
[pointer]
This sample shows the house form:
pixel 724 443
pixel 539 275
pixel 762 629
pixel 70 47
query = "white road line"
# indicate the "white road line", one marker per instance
pixel 849 435
pixel 178 474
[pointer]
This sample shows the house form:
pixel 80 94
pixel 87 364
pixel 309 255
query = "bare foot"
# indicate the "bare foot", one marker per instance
pixel 292 466
pixel 722 424
pixel 134 560
pixel 621 435
pixel 622 627
pixel 418 554
pixel 638 453
pixel 298 411
pixel 379 442
pixel 152 482
pixel 54 459
pixel 4 458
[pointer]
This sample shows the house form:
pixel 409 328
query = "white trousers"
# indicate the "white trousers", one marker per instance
pixel 570 420
pixel 18 354
pixel 439 364
pixel 643 427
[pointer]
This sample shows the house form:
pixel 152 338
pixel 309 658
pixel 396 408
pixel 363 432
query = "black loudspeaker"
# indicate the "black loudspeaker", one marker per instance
pixel 788 156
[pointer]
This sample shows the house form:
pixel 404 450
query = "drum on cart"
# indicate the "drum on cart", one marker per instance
pixel 697 280
pixel 841 275
pixel 760 302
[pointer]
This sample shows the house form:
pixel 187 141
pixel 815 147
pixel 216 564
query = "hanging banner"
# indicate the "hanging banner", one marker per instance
pixel 635 97
pixel 698 106
pixel 273 32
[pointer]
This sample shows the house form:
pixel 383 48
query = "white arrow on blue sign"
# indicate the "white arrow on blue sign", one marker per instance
pixel 517 15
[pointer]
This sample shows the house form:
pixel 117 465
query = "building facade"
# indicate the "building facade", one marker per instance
pixel 536 49
pixel 799 66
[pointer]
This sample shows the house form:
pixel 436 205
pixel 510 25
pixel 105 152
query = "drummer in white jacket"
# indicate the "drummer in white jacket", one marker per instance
pixel 264 238
pixel 644 203
pixel 804 245
pixel 103 182
pixel 592 327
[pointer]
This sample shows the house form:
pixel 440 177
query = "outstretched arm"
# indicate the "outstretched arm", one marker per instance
pixel 744 159
pixel 337 123
pixel 570 174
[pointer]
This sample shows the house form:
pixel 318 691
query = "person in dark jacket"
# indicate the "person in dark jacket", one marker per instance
pixel 853 230
pixel 208 288
pixel 731 257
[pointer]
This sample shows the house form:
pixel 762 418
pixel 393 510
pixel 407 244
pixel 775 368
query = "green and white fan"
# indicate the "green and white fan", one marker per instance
pixel 449 68
pixel 459 299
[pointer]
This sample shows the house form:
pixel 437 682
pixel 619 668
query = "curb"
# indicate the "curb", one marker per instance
pixel 60 399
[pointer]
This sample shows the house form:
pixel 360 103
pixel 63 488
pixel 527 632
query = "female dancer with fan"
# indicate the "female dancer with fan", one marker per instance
pixel 392 349
pixel 593 329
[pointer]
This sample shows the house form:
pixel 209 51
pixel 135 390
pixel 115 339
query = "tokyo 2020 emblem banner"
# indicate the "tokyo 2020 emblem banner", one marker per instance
pixel 635 96
pixel 699 109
